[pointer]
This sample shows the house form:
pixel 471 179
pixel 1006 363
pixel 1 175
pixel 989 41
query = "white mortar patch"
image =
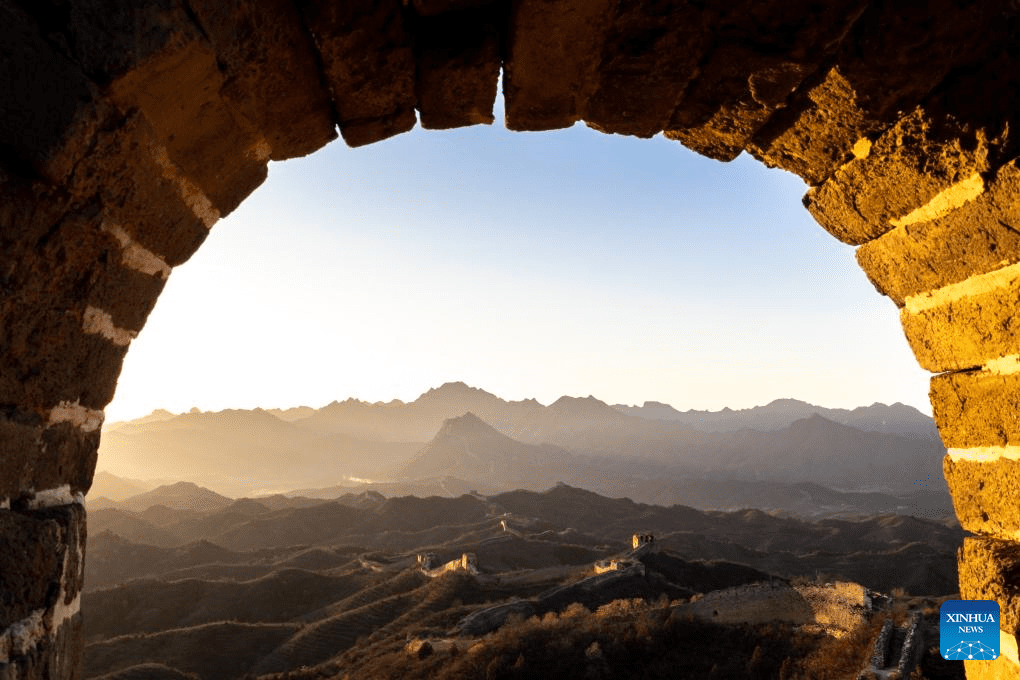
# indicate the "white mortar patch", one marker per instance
pixel 5 504
pixel 49 498
pixel 1007 365
pixel 944 202
pixel 86 419
pixel 975 285
pixel 985 454
pixel 134 256
pixel 22 636
pixel 97 322
pixel 193 196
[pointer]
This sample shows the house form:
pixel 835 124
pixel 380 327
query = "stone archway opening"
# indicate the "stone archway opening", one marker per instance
pixel 127 131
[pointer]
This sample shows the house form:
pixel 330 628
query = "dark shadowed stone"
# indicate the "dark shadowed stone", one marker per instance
pixel 981 236
pixel 136 192
pixel 33 547
pixel 368 57
pixel 553 53
pixel 433 7
pixel 976 408
pixel 458 56
pixel 48 115
pixel 652 51
pixel 272 78
pixel 762 52
pixel 179 93
pixel 36 456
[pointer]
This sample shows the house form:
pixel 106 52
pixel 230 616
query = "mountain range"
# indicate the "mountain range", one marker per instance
pixel 472 437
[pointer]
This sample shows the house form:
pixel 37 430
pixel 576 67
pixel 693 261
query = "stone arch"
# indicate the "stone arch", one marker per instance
pixel 128 129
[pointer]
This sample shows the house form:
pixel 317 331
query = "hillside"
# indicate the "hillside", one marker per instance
pixel 339 586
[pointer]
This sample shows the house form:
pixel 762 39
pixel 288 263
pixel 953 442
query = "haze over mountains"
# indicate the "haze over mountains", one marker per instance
pixel 455 437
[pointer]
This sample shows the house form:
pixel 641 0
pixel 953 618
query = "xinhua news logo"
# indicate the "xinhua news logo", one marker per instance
pixel 969 630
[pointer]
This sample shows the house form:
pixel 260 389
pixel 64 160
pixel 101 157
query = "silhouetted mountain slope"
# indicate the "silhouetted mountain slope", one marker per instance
pixel 148 606
pixel 148 671
pixel 892 419
pixel 578 440
pixel 221 650
pixel 468 448
pixel 208 447
pixel 179 496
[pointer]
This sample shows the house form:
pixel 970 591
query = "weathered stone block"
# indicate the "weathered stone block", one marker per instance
pixel 986 495
pixel 763 51
pixel 817 133
pixel 48 115
pixel 651 53
pixel 368 57
pixel 143 192
pixel 179 93
pixel 553 52
pixel 907 167
pixel 458 66
pixel 1002 668
pixel 987 572
pixel 37 456
pixel 272 78
pixel 434 7
pixel 965 332
pixel 981 236
pixel 48 359
pixel 976 408
pixel 40 563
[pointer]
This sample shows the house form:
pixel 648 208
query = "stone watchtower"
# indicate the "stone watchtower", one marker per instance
pixel 128 129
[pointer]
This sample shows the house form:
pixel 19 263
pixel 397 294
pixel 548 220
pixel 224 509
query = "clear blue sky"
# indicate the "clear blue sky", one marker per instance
pixel 528 264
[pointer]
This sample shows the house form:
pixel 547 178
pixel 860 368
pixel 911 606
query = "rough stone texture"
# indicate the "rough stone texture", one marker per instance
pixel 988 571
pixel 650 55
pixel 35 456
pixel 48 114
pixel 458 57
pixel 981 236
pixel 152 57
pixel 986 495
pixel 61 656
pixel 52 261
pixel 368 56
pixel 976 408
pixel 907 166
pixel 817 133
pixel 272 78
pixel 967 332
pixel 1000 669
pixel 762 53
pixel 39 561
pixel 553 53
pixel 136 192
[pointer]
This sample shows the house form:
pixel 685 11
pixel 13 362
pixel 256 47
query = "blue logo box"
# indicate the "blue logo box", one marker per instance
pixel 969 630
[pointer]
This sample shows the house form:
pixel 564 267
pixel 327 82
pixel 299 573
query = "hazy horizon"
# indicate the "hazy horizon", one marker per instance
pixel 277 407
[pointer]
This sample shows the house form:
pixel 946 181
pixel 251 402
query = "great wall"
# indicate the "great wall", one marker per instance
pixel 128 129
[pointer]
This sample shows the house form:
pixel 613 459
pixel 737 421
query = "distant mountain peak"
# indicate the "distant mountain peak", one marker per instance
pixel 454 390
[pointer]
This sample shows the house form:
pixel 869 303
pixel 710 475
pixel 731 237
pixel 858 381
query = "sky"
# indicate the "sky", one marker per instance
pixel 531 265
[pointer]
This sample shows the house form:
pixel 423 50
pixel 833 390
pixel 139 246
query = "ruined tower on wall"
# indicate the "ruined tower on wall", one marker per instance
pixel 128 129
